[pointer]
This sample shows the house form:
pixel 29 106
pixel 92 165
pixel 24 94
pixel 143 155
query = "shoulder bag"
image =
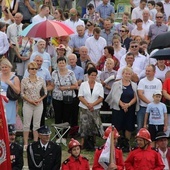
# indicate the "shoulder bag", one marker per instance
pixel 11 94
pixel 67 99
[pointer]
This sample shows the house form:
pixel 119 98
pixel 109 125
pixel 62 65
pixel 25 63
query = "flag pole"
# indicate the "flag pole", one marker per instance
pixel 112 151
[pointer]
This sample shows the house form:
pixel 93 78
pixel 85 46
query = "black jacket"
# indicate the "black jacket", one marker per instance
pixel 16 152
pixel 51 158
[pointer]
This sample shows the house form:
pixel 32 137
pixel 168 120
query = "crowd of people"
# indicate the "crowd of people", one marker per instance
pixel 104 66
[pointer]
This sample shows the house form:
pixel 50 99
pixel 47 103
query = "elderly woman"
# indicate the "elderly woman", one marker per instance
pixel 33 91
pixel 123 103
pixel 63 85
pixel 8 78
pixel 91 95
pixel 108 53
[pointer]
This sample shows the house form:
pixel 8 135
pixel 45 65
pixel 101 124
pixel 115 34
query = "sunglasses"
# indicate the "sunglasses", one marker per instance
pixel 122 31
pixel 90 8
pixel 89 25
pixel 159 17
pixel 72 14
pixel 33 68
pixel 133 46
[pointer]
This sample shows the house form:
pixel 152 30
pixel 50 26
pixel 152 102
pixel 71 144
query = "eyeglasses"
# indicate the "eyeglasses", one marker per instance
pixel 71 14
pixel 159 17
pixel 33 68
pixel 133 46
pixel 122 31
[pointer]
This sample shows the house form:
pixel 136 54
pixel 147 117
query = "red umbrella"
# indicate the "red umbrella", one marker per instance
pixel 48 28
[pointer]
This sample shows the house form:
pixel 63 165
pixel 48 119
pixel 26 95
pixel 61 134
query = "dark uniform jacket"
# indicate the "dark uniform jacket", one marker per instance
pixel 38 159
pixel 16 154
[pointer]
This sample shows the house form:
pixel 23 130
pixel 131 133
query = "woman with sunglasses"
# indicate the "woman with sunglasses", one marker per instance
pixel 160 8
pixel 58 15
pixel 91 15
pixel 90 26
pixel 33 91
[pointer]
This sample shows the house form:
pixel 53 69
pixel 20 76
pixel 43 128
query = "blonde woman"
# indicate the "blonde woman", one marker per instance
pixel 8 78
pixel 33 106
pixel 123 103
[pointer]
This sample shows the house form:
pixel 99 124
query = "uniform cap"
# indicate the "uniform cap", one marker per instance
pixel 44 130
pixel 11 129
pixel 161 135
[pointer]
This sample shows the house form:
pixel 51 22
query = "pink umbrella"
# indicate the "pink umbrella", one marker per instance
pixel 48 28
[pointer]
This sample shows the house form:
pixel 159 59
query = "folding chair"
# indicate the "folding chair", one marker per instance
pixel 60 130
pixel 121 8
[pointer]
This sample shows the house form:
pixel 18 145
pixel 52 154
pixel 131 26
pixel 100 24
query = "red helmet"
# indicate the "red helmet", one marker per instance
pixel 108 131
pixel 73 143
pixel 144 133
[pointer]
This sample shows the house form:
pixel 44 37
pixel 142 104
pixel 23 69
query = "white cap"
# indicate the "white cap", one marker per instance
pixel 157 92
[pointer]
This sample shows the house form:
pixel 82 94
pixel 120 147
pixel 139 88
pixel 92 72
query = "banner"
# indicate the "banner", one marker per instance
pixel 5 163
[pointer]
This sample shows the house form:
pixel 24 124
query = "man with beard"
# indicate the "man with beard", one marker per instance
pixel 16 151
pixel 41 44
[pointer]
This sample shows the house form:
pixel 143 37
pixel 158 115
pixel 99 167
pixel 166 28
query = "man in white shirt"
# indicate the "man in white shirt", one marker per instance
pixel 44 10
pixel 146 89
pixel 140 60
pixel 4 44
pixel 74 21
pixel 137 12
pixel 130 58
pixel 95 45
pixel 13 32
pixel 146 21
pixel 163 149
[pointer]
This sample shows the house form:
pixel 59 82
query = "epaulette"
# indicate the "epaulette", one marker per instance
pixel 155 149
pixel 117 147
pixel 84 158
pixel 66 161
pixel 132 149
pixel 100 147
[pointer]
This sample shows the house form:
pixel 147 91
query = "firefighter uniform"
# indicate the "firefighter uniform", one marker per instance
pixel 80 163
pixel 118 156
pixel 140 159
pixel 46 157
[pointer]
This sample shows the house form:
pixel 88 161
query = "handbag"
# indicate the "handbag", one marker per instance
pixel 17 59
pixel 67 99
pixel 42 92
pixel 11 95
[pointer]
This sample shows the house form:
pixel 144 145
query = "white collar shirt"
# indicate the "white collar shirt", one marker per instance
pixel 164 159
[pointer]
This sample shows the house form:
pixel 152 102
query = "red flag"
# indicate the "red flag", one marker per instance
pixel 5 162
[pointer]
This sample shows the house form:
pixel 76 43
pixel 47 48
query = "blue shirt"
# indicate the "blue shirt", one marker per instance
pixel 46 58
pixel 42 72
pixel 105 11
pixel 107 37
pixel 78 71
pixel 77 41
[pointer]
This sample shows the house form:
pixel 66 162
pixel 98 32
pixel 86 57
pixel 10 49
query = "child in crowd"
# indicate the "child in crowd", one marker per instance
pixel 107 78
pixel 157 113
pixel 152 10
pixel 75 161
pixel 118 155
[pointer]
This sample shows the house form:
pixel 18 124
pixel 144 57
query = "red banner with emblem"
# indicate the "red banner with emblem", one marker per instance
pixel 5 163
